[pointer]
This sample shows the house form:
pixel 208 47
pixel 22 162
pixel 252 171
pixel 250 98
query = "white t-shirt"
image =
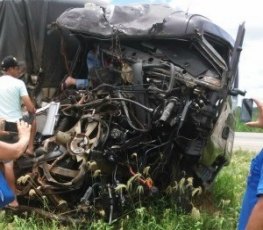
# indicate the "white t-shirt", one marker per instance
pixel 11 91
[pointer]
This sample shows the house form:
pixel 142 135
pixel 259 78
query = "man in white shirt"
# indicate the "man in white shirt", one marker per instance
pixel 13 94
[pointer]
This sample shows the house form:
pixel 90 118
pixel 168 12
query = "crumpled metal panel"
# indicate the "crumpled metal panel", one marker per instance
pixel 155 21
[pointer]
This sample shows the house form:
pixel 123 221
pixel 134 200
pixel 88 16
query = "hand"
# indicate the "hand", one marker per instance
pixel 259 122
pixel 24 130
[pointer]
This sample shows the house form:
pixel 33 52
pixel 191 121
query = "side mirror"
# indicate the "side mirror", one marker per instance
pixel 246 110
pixel 235 92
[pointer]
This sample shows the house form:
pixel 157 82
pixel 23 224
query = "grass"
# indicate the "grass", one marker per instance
pixel 219 207
pixel 216 209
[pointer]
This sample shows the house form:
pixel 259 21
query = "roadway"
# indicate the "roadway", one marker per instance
pixel 248 141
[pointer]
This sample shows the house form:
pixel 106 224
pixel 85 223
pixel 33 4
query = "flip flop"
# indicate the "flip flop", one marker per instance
pixel 13 206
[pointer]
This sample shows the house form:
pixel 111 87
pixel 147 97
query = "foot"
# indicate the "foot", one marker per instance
pixel 13 204
pixel 29 152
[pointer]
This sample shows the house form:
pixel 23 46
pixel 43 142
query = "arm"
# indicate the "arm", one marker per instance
pixel 28 103
pixel 255 221
pixel 13 151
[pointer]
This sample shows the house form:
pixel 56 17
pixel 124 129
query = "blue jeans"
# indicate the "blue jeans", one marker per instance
pixel 81 83
pixel 253 190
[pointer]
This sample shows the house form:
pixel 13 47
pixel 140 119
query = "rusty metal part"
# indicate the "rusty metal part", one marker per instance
pixel 78 144
pixel 62 171
pixel 72 182
pixel 63 137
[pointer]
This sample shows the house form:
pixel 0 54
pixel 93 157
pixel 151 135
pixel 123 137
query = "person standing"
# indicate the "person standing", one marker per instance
pixel 92 62
pixel 13 94
pixel 251 213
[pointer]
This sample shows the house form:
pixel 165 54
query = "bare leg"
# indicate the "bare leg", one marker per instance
pixel 30 148
pixel 11 180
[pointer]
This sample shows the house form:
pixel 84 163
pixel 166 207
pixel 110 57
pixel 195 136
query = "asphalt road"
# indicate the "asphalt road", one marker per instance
pixel 248 141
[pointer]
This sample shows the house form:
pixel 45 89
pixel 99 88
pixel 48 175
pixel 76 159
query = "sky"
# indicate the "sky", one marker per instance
pixel 228 14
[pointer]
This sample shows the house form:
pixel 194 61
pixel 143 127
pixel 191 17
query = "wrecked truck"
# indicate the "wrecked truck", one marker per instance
pixel 157 109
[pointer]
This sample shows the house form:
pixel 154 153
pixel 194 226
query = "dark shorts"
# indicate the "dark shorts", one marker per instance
pixel 29 118
pixel 12 126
